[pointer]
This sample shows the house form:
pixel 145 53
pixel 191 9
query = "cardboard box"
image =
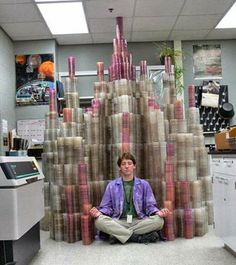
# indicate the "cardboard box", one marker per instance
pixel 221 140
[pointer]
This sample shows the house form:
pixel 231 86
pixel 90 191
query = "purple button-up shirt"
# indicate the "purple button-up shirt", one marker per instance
pixel 112 203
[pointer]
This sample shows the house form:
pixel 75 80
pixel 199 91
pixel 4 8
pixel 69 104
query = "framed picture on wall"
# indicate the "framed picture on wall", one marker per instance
pixel 207 62
pixel 34 78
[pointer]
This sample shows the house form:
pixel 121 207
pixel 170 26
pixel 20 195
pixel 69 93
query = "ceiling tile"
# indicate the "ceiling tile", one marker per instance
pixel 150 36
pixel 26 29
pixel 107 25
pixel 73 39
pixel 154 8
pixel 19 13
pixel 196 22
pixel 153 23
pixel 222 34
pixel 202 7
pixel 188 34
pixel 30 37
pixel 99 9
pixel 15 1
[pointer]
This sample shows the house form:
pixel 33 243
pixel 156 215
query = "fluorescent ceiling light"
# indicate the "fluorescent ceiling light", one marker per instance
pixel 64 18
pixel 228 21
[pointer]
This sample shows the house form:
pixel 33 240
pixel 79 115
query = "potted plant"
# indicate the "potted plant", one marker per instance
pixel 165 50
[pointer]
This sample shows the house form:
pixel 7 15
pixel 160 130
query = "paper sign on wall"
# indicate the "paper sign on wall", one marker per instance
pixel 210 100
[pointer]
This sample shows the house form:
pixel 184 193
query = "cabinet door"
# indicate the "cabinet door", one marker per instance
pixel 230 204
pixel 219 204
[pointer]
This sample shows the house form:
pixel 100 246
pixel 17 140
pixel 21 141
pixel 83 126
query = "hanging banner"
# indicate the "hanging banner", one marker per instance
pixel 34 78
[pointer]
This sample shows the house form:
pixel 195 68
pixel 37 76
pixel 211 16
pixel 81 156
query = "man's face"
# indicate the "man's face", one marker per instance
pixel 127 167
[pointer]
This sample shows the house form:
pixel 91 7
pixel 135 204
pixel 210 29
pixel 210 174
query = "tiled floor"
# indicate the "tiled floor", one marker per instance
pixel 206 250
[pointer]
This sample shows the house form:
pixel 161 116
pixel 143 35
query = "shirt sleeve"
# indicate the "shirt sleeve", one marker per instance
pixel 106 203
pixel 150 201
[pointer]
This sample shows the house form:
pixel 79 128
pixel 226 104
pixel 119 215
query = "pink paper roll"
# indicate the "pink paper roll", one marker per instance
pixel 143 69
pixel 188 224
pixel 52 100
pixel 67 114
pixel 86 229
pixel 71 66
pixel 119 27
pixel 100 71
pixel 179 110
pixel 191 96
pixel 83 175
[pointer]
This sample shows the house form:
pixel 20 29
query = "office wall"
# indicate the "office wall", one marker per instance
pixel 33 47
pixel 228 61
pixel 7 80
pixel 87 56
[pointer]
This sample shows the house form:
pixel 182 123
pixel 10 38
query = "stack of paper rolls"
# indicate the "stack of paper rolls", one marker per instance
pixel 179 222
pixel 71 194
pixel 169 227
pixel 97 189
pixel 200 221
pixel 185 194
pixel 78 149
pixel 191 170
pixel 71 224
pixel 58 174
pixel 58 226
pixel 196 193
pixel 87 229
pixel 68 147
pixel 188 218
pixel 61 150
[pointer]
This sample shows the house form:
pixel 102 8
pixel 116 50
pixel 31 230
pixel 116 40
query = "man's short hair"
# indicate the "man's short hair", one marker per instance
pixel 126 156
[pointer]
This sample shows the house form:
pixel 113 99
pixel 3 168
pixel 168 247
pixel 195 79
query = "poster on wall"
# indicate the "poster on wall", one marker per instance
pixel 207 62
pixel 34 78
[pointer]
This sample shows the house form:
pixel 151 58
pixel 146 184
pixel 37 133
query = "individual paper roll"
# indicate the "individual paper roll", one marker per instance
pixel 71 66
pixel 169 227
pixel 196 193
pixel 200 221
pixel 188 223
pixel 45 222
pixel 71 199
pixel 210 212
pixel 82 176
pixel 58 226
pixel 185 194
pixel 191 96
pixel 207 188
pixel 191 170
pixel 72 225
pixel 46 194
pixel 86 229
pixel 179 222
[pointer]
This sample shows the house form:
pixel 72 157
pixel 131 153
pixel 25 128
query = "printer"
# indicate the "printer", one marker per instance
pixel 21 208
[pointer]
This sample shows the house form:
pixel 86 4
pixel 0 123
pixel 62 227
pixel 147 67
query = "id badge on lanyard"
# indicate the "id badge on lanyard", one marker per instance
pixel 129 218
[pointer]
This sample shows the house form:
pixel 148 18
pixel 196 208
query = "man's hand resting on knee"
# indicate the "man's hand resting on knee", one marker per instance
pixel 94 212
pixel 163 212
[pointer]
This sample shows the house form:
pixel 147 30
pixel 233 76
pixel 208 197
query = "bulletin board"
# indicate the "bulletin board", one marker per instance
pixel 31 129
pixel 209 116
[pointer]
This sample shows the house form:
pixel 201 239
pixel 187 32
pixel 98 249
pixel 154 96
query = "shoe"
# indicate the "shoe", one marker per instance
pixel 103 236
pixel 135 238
pixel 161 237
pixel 149 238
pixel 113 240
